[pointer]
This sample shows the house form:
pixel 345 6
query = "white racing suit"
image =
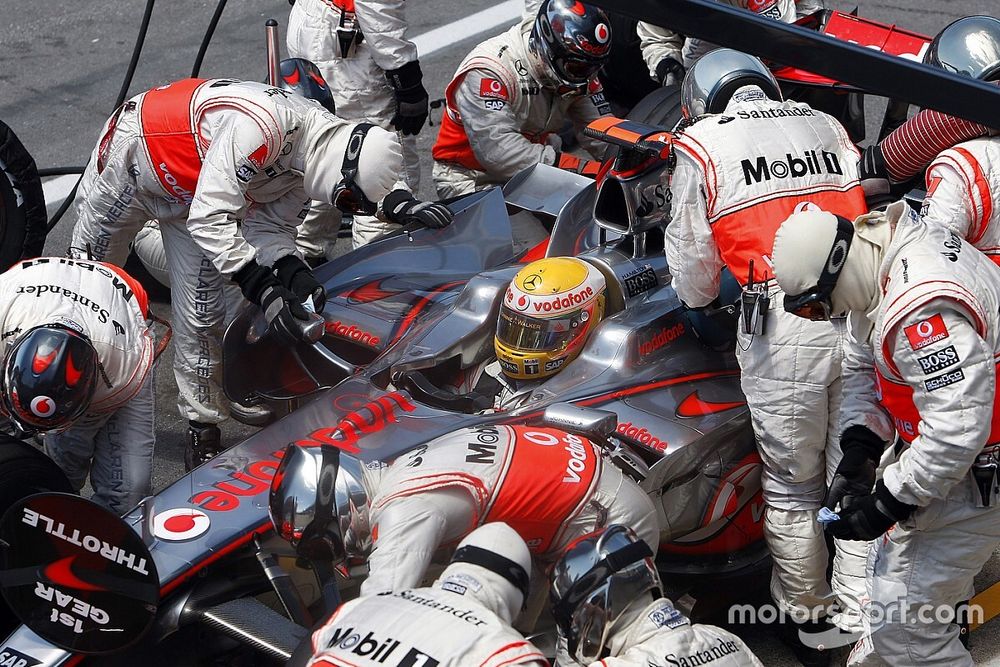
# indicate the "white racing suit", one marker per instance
pixel 459 622
pixel 503 116
pixel 114 440
pixel 928 371
pixel 549 486
pixel 661 636
pixel 220 164
pixel 354 43
pixel 658 43
pixel 963 193
pixel 739 174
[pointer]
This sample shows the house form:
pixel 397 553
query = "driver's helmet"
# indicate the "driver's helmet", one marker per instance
pixel 302 77
pixel 710 83
pixel 550 308
pixel 353 508
pixel 50 374
pixel 571 42
pixel 969 46
pixel 598 577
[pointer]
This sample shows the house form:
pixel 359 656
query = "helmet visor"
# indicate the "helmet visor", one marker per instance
pixel 531 334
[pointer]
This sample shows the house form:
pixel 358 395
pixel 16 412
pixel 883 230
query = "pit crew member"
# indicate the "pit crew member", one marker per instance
pixel 227 167
pixel 360 48
pixel 77 354
pixel 923 308
pixel 750 159
pixel 609 609
pixel 514 93
pixel 668 55
pixel 550 486
pixel 462 620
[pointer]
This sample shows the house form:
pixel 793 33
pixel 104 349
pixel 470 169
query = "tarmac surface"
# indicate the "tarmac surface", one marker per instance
pixel 62 64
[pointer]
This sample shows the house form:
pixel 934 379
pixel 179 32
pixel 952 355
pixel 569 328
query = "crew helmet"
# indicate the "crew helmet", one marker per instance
pixel 549 310
pixel 50 375
pixel 969 46
pixel 598 577
pixel 572 41
pixel 302 77
pixel 710 83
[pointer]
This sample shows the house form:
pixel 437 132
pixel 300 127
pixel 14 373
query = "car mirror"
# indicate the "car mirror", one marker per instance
pixel 594 424
pixel 302 503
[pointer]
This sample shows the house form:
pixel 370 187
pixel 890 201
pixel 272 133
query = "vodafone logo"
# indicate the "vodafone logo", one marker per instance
pixel 518 302
pixel 602 33
pixel 495 86
pixel 563 302
pixel 43 406
pixel 180 524
pixel 924 329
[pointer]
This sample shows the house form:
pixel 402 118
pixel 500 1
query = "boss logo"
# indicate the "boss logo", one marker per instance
pixel 939 360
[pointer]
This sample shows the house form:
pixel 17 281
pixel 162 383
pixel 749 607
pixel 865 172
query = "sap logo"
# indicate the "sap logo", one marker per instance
pixel 791 167
pixel 11 658
pixel 372 417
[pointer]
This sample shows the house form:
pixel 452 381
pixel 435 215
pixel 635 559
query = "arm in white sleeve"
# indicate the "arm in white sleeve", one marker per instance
pixel 948 203
pixel 955 401
pixel 220 201
pixel 409 530
pixel 658 43
pixel 271 228
pixel 585 110
pixel 383 23
pixel 692 254
pixel 493 129
pixel 861 406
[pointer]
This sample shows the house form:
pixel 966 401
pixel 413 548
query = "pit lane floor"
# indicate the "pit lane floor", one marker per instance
pixel 62 63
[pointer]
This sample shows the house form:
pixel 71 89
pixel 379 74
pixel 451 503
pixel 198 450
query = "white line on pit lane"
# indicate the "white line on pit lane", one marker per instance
pixel 56 189
pixel 441 38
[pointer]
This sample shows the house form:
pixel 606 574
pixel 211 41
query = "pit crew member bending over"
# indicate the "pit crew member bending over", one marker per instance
pixel 77 355
pixel 923 308
pixel 751 158
pixel 609 609
pixel 462 620
pixel 514 93
pixel 227 167
pixel 551 487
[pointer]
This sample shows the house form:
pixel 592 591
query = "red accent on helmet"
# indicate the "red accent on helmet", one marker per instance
pixel 72 372
pixel 293 78
pixel 578 8
pixel 42 361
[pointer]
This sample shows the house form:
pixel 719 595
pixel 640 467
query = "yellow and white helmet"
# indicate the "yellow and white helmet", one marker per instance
pixel 550 308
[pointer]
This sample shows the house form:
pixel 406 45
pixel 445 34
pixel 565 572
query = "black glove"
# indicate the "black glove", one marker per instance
pixel 669 72
pixel 261 287
pixel 855 475
pixel 296 275
pixel 402 208
pixel 870 516
pixel 874 172
pixel 411 97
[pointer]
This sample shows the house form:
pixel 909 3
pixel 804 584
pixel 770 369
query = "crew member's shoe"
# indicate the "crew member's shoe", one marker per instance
pixel 806 652
pixel 205 443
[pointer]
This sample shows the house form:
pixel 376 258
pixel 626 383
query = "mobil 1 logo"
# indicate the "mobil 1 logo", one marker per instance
pixel 415 658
